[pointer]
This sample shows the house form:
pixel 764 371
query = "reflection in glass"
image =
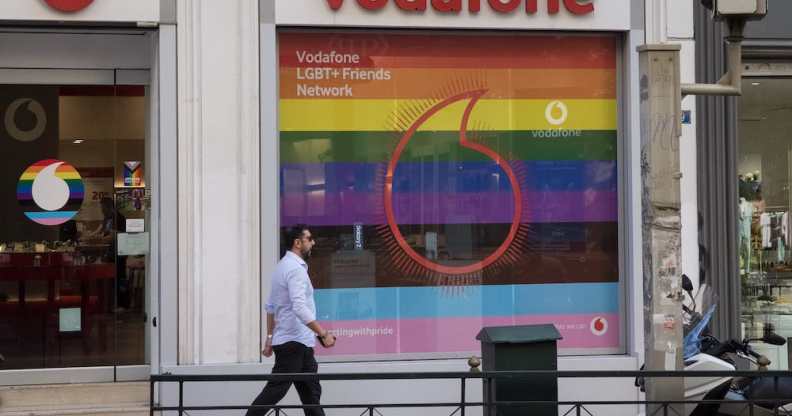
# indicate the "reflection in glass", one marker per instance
pixel 453 181
pixel 66 298
pixel 764 168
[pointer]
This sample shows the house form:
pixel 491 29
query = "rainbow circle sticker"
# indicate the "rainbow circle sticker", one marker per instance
pixel 50 192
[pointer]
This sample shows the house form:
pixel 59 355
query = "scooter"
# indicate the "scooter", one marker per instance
pixel 718 357
pixel 703 352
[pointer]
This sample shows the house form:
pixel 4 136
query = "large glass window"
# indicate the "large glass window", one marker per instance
pixel 764 167
pixel 454 181
pixel 72 226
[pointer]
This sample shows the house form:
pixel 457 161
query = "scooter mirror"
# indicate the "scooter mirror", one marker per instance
pixel 687 284
pixel 773 339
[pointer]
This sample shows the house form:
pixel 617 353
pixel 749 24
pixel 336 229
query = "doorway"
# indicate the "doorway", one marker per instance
pixel 764 177
pixel 76 179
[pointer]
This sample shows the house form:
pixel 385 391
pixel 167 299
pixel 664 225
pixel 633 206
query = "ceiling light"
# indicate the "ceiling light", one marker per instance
pixel 756 84
pixel 78 141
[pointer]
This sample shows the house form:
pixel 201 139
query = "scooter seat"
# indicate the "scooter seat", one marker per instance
pixel 766 389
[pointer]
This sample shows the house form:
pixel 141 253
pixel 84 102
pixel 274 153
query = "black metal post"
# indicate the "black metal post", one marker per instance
pixel 775 394
pixel 463 405
pixel 181 398
pixel 151 398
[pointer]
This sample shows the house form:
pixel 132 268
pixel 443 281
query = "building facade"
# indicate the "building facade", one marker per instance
pixel 463 164
pixel 744 139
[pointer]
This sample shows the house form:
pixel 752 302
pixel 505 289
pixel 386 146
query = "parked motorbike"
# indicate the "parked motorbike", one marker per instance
pixel 704 352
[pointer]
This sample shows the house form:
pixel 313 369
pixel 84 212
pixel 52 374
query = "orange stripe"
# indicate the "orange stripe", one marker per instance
pixel 429 83
pixel 483 50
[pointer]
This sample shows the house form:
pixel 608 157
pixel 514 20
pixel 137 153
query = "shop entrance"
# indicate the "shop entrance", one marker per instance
pixel 75 224
pixel 764 175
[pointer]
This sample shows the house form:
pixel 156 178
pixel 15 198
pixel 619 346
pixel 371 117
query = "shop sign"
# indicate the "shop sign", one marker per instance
pixel 69 6
pixel 60 11
pixel 576 7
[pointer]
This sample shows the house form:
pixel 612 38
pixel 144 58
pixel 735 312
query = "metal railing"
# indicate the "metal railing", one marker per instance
pixel 489 380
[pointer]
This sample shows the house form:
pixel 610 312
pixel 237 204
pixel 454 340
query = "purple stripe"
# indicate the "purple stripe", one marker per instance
pixel 343 208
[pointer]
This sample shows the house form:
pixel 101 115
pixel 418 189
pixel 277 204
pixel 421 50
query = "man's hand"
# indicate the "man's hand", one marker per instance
pixel 328 340
pixel 267 351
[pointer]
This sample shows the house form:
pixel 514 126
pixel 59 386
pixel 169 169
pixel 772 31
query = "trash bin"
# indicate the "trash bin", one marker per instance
pixel 515 348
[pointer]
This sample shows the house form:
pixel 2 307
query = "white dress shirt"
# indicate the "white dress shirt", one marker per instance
pixel 291 301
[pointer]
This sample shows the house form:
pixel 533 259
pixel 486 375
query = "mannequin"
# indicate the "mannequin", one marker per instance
pixel 744 233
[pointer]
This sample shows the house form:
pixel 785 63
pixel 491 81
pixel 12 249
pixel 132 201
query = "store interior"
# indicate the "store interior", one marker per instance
pixel 72 288
pixel 764 169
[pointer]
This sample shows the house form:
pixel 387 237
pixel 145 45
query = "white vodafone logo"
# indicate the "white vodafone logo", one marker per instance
pixel 34 107
pixel 599 326
pixel 556 113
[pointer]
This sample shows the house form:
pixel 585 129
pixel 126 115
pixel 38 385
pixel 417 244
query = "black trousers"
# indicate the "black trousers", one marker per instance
pixel 291 357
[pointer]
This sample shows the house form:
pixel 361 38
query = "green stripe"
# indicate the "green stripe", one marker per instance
pixel 374 147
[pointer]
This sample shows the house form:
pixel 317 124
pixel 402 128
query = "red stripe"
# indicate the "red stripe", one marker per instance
pixel 452 51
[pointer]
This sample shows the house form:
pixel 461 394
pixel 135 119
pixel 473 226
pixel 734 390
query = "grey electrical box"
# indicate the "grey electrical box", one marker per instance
pixel 746 9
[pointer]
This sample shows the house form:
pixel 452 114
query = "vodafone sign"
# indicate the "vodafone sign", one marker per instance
pixel 69 6
pixel 550 15
pixel 576 7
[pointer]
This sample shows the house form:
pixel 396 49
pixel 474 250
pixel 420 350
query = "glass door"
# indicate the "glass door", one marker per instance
pixel 73 226
pixel 764 167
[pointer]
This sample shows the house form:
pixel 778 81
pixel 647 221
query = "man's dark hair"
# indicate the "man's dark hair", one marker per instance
pixel 295 232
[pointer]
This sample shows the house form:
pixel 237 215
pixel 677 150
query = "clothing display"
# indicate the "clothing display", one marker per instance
pixel 764 222
pixel 744 234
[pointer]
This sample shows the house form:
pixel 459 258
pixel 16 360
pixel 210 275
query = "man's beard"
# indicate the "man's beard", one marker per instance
pixel 306 254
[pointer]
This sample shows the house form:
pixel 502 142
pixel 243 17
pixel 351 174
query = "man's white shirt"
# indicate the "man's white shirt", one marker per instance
pixel 291 301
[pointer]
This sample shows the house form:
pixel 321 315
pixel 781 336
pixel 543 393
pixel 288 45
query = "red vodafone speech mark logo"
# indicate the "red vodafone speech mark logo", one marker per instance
pixel 473 98
pixel 69 6
pixel 599 326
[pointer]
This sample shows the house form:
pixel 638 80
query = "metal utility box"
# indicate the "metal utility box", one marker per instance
pixel 516 348
pixel 746 9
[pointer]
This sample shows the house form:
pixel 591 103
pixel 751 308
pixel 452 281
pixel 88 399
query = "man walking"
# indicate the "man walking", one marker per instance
pixel 292 328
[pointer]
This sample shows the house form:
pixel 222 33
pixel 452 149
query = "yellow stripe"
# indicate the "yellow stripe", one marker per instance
pixel 377 115
pixel 69 175
pixel 64 176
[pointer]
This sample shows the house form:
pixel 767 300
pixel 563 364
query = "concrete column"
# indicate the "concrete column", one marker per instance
pixel 660 132
pixel 218 97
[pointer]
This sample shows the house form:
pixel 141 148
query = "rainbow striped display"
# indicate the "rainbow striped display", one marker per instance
pixel 486 162
pixel 71 194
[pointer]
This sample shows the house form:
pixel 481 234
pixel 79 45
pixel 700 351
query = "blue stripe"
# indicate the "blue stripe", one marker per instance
pixel 52 214
pixel 555 175
pixel 466 301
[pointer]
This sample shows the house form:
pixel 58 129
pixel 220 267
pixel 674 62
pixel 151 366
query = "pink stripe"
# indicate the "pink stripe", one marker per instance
pixel 458 334
pixel 51 221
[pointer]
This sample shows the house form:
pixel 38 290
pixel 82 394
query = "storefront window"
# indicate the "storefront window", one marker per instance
pixel 764 167
pixel 72 293
pixel 454 181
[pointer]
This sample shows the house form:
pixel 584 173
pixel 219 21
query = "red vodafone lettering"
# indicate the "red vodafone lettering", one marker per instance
pixel 447 6
pixel 504 7
pixel 69 6
pixel 412 5
pixel 372 4
pixel 335 4
pixel 575 7
pixel 552 6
